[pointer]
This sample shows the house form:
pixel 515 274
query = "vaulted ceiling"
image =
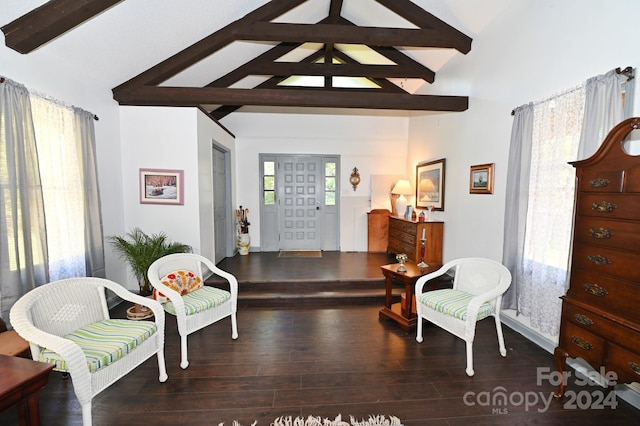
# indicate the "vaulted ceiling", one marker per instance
pixel 293 42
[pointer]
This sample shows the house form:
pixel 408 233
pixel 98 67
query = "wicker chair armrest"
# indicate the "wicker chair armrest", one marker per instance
pixel 428 277
pixel 68 350
pixel 233 282
pixel 488 296
pixel 123 293
pixel 171 294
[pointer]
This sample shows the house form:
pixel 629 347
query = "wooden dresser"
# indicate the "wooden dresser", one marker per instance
pixel 600 312
pixel 405 237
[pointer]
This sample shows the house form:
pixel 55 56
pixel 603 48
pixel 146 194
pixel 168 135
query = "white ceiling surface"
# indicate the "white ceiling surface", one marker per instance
pixel 135 35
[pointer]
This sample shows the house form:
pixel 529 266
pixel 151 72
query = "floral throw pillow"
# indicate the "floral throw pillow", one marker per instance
pixel 182 281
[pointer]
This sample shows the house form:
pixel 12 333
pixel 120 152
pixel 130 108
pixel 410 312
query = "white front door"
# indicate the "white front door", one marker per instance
pixel 299 202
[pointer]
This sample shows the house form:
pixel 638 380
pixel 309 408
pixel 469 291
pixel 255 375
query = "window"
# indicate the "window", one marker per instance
pixel 541 191
pixel 269 183
pixel 330 183
pixel 557 125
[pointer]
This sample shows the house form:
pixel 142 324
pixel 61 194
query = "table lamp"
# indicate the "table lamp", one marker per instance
pixel 403 187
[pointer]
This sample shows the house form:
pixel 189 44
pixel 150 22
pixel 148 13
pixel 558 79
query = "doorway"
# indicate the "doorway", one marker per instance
pixel 299 202
pixel 221 193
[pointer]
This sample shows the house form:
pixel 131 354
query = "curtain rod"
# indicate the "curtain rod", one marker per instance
pixel 95 117
pixel 627 72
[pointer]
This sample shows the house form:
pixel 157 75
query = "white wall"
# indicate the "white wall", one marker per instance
pixel 534 49
pixel 171 138
pixel 374 143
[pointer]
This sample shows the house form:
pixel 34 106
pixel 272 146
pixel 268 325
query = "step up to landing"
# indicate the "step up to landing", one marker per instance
pixel 313 293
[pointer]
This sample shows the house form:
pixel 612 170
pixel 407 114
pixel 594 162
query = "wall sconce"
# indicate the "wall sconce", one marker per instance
pixel 354 179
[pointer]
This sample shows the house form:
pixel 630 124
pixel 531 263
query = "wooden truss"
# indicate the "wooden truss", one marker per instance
pixel 52 19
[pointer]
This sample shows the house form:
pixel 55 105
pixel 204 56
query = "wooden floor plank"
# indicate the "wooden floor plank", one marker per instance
pixel 324 362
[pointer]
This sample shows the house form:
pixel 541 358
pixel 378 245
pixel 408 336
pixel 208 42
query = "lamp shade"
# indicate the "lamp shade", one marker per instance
pixel 403 187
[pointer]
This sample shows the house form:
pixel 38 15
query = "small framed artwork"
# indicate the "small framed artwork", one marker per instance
pixel 481 179
pixel 159 186
pixel 430 185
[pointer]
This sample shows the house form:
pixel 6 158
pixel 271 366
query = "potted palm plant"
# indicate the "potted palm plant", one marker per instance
pixel 140 250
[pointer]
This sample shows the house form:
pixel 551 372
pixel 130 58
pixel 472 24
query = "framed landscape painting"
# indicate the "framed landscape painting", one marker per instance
pixel 430 185
pixel 481 179
pixel 160 186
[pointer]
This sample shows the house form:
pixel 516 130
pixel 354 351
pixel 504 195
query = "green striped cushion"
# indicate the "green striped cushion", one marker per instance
pixel 104 342
pixel 200 300
pixel 454 303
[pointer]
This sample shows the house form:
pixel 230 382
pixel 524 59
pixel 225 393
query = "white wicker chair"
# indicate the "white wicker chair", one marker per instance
pixel 47 313
pixel 478 286
pixel 223 305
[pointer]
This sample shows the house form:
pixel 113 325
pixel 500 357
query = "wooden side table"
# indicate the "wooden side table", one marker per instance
pixel 404 316
pixel 14 345
pixel 20 383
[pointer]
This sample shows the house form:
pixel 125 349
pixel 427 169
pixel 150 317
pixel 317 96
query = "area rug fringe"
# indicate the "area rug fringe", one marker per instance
pixel 319 421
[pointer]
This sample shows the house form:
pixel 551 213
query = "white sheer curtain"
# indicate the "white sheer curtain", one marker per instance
pixel 65 138
pixel 547 241
pixel 541 189
pixel 23 243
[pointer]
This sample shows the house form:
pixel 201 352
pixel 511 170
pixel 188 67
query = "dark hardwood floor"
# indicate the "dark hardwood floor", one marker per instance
pixel 325 361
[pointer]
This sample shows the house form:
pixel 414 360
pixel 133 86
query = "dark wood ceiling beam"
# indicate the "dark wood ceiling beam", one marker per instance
pixel 332 33
pixel 245 70
pixel 194 96
pixel 399 58
pixel 335 9
pixel 50 20
pixel 345 70
pixel 272 83
pixel 385 85
pixel 423 19
pixel 207 46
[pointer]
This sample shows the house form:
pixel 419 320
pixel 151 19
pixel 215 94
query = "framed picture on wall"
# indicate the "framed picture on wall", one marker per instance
pixel 430 184
pixel 160 186
pixel 481 179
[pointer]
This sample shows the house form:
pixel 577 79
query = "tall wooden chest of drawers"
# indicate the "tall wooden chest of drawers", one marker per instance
pixel 601 310
pixel 405 237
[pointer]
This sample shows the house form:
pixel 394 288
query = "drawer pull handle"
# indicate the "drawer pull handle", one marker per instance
pixel 599 260
pixel 581 343
pixel 635 367
pixel 600 233
pixel 584 320
pixel 595 290
pixel 603 207
pixel 599 182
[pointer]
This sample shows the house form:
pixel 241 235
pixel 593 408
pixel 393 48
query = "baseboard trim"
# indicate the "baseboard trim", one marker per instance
pixel 623 391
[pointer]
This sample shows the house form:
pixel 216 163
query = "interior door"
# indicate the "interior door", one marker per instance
pixel 219 204
pixel 301 201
